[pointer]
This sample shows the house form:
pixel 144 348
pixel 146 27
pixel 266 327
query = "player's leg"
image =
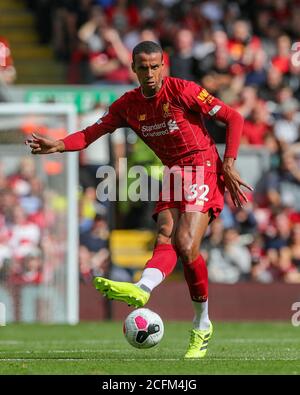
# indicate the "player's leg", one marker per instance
pixel 157 268
pixel 164 256
pixel 190 231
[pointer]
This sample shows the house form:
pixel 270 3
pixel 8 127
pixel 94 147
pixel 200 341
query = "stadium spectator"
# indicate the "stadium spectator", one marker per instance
pixel 274 82
pixel 89 41
pixel 84 258
pixel 214 238
pixel 215 47
pixel 280 266
pixel 5 250
pixel 247 100
pixel 257 125
pixel 7 69
pixel 257 252
pixel 283 53
pixel 93 263
pixel 32 269
pixel 245 221
pixel 123 15
pixel 67 18
pixel 96 238
pixel 287 129
pixel 25 235
pixel 257 73
pixel 182 60
pixel 272 144
pixel 243 47
pixel 89 31
pixel 88 208
pixel 292 78
pixel 32 201
pixel 227 214
pixel 111 64
pixel 283 94
pixel 230 261
pixel 282 186
pixel 278 232
pixel 8 200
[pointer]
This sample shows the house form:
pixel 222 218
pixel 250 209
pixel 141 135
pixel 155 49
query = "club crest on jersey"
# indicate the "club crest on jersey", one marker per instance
pixel 166 112
pixel 142 117
pixel 205 97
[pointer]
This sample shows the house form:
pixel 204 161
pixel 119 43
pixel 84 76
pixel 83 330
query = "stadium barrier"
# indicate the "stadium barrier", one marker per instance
pixel 234 302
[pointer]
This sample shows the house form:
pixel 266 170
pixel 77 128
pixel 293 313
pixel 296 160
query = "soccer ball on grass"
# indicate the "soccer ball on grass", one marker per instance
pixel 143 328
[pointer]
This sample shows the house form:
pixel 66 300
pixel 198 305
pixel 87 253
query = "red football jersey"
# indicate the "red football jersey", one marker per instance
pixel 171 123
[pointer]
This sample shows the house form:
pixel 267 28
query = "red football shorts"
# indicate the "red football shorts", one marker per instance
pixel 192 188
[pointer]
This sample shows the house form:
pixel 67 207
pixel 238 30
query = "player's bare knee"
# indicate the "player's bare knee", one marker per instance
pixel 188 255
pixel 186 248
pixel 164 235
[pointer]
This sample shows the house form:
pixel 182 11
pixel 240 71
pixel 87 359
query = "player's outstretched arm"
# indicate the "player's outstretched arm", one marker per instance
pixel 233 183
pixel 43 145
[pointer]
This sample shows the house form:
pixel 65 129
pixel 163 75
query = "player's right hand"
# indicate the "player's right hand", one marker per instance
pixel 233 183
pixel 43 145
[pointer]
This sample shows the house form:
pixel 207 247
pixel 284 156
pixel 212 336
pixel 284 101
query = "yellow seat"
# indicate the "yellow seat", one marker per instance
pixel 131 248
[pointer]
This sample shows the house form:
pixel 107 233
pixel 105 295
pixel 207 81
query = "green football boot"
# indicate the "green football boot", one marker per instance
pixel 198 343
pixel 122 291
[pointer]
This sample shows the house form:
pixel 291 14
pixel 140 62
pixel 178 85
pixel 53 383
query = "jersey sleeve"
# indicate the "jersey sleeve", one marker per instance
pixel 108 123
pixel 198 99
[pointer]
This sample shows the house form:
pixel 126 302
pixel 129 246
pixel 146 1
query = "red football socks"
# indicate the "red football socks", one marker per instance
pixel 197 279
pixel 164 258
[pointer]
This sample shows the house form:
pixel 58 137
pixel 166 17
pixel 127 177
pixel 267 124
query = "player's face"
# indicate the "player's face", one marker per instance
pixel 148 68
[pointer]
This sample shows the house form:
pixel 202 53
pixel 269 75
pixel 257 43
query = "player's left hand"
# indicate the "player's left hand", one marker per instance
pixel 234 182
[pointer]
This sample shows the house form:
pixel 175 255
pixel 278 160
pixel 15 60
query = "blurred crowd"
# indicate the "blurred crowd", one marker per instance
pixel 33 229
pixel 32 222
pixel 245 52
pixel 224 45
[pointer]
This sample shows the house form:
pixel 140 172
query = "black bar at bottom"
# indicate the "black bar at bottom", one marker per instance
pixel 55 384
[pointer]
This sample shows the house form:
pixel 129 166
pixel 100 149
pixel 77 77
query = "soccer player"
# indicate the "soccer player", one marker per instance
pixel 167 113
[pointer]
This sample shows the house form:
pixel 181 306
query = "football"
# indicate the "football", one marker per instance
pixel 143 328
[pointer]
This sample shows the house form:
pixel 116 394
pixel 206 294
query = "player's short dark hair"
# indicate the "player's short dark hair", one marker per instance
pixel 146 47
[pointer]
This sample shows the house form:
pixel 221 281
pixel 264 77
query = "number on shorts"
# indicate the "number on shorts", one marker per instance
pixel 195 190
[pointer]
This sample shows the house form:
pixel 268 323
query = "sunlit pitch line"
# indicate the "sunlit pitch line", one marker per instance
pixel 105 341
pixel 61 351
pixel 141 359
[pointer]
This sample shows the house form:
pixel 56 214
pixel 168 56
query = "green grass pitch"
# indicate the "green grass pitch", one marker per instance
pixel 101 349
